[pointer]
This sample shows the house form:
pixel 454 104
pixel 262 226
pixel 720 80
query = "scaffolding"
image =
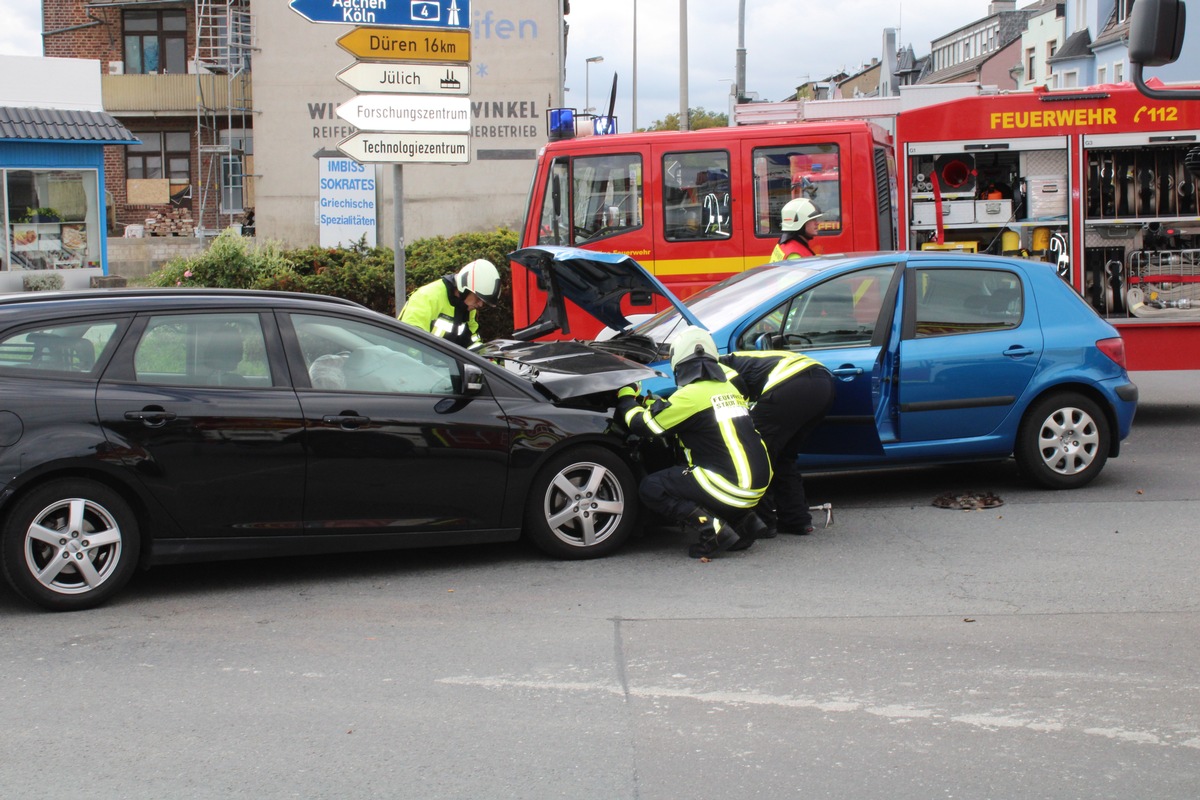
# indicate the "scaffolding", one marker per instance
pixel 224 118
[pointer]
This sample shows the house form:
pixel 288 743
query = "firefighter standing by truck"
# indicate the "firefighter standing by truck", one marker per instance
pixel 799 223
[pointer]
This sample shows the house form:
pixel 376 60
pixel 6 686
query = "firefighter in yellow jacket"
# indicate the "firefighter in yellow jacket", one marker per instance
pixel 798 220
pixel 727 468
pixel 791 394
pixel 446 307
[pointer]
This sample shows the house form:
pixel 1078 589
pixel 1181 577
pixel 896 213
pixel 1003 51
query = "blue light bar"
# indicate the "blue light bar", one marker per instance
pixel 560 124
pixel 604 126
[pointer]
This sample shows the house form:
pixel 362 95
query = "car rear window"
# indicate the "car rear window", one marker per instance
pixel 72 347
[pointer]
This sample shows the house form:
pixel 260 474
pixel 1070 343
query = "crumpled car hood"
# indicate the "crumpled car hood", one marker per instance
pixel 566 370
pixel 596 282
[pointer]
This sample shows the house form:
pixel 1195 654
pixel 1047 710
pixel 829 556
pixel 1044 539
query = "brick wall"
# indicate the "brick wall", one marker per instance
pixel 102 39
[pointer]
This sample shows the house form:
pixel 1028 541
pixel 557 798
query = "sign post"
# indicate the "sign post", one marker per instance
pixel 413 112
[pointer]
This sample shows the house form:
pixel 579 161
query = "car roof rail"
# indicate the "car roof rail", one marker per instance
pixel 90 294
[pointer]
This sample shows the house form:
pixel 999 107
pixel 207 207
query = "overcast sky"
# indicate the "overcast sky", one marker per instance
pixel 787 43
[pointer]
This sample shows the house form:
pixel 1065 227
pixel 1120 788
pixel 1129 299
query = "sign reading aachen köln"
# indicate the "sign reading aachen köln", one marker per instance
pixel 408 148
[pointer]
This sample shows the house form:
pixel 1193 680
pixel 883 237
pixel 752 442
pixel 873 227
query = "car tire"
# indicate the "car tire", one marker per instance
pixel 70 545
pixel 582 504
pixel 1063 441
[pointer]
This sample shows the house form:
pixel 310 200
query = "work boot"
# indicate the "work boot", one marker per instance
pixel 715 534
pixel 749 528
pixel 765 511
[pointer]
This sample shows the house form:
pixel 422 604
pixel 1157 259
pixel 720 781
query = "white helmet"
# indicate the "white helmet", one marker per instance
pixel 692 342
pixel 798 212
pixel 481 278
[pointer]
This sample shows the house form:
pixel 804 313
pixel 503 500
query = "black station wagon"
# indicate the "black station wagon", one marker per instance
pixel 143 427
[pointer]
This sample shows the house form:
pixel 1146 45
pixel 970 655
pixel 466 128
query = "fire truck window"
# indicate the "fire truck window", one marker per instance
pixel 784 173
pixel 955 301
pixel 606 196
pixel 696 196
pixel 555 224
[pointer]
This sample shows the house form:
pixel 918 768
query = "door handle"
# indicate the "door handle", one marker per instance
pixel 152 417
pixel 345 420
pixel 846 372
pixel 1016 351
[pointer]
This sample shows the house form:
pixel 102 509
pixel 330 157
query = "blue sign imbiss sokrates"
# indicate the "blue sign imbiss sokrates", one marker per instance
pixel 431 13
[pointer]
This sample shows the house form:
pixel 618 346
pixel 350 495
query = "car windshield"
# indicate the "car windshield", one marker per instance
pixel 725 302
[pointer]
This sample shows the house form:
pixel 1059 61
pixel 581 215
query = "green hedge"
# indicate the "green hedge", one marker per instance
pixel 363 274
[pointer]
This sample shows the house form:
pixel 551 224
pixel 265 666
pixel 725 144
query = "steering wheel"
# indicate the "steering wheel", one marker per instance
pixel 796 338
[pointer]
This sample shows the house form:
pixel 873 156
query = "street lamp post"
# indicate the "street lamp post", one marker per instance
pixel 587 83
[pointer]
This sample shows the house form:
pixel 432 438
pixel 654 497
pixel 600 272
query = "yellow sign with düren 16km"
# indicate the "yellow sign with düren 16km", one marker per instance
pixel 407 44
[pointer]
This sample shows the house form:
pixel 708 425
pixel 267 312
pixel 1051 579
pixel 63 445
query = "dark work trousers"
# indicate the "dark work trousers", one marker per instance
pixel 674 494
pixel 785 416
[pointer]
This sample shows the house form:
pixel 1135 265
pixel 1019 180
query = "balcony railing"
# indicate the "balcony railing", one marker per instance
pixel 165 94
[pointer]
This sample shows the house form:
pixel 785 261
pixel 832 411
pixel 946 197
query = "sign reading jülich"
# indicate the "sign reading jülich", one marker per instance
pixel 374 76
pixel 432 13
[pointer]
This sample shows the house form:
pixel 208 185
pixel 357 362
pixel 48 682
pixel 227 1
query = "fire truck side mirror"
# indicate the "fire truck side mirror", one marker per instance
pixel 1156 38
pixel 1156 32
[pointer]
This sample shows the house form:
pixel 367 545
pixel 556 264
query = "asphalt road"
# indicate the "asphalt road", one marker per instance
pixel 1047 648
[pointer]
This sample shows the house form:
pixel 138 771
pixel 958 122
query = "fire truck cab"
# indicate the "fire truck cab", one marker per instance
pixel 693 207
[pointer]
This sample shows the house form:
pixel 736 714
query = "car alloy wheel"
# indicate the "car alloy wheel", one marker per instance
pixel 583 504
pixel 70 545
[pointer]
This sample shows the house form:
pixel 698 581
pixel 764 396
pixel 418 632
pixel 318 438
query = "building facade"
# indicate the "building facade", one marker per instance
pixel 234 104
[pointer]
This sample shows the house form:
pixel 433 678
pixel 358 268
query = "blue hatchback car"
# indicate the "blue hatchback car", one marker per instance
pixel 939 357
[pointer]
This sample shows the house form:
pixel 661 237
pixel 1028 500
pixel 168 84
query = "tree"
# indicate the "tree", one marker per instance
pixel 697 118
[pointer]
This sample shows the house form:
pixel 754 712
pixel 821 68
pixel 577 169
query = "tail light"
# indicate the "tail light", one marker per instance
pixel 1113 348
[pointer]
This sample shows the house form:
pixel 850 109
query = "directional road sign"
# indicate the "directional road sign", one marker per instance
pixel 407 112
pixel 408 148
pixel 433 13
pixel 407 44
pixel 383 76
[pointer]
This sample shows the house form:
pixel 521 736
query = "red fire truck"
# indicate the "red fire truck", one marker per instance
pixel 1098 182
pixel 1101 183
pixel 695 207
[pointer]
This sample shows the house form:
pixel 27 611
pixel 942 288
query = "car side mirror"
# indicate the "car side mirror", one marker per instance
pixel 768 341
pixel 472 379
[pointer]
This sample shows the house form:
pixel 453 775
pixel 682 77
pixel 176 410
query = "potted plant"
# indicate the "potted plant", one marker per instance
pixel 41 214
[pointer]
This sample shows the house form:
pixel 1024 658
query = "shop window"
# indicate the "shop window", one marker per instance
pixel 783 173
pixel 696 196
pixel 53 219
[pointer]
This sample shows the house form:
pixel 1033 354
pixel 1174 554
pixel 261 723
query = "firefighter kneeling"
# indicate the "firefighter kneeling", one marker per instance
pixel 728 469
